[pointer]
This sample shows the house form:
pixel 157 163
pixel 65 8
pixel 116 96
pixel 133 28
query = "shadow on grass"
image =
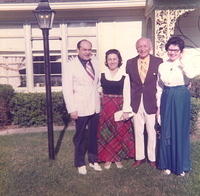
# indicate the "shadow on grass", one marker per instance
pixel 59 141
pixel 60 138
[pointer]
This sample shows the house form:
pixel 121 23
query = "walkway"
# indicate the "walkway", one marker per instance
pixel 15 130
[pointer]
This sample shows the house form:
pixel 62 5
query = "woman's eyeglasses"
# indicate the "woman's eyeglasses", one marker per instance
pixel 173 50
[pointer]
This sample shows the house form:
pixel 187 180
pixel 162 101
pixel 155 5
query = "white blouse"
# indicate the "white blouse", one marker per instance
pixel 176 73
pixel 126 90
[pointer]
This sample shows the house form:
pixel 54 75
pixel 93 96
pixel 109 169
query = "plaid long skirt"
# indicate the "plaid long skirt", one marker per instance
pixel 115 139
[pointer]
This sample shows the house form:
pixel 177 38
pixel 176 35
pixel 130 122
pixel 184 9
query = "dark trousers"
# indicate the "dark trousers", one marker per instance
pixel 85 139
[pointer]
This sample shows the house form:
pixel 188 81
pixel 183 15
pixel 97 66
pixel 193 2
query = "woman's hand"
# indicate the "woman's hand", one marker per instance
pixel 125 116
pixel 181 65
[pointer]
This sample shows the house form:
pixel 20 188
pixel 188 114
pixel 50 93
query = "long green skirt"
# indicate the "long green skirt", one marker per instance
pixel 174 145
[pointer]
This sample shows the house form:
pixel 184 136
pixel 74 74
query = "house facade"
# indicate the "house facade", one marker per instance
pixel 107 24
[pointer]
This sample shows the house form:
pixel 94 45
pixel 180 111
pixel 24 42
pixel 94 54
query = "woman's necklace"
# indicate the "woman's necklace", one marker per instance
pixel 171 66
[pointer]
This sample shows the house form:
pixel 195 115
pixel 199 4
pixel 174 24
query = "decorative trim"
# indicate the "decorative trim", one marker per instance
pixel 165 21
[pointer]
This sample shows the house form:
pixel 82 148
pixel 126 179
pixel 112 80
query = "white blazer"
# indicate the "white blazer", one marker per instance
pixel 79 90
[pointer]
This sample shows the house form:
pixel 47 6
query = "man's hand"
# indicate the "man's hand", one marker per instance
pixel 74 115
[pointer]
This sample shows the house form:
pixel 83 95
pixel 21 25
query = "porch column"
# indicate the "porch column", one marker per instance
pixel 64 53
pixel 28 58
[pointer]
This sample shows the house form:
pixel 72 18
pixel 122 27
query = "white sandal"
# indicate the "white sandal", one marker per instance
pixel 167 172
pixel 182 174
pixel 119 164
pixel 107 165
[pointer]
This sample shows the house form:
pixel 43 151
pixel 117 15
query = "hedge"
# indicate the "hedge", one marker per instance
pixel 195 88
pixel 195 110
pixel 6 94
pixel 195 115
pixel 29 109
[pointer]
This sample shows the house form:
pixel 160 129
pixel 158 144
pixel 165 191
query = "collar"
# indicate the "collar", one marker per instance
pixel 146 59
pixel 83 61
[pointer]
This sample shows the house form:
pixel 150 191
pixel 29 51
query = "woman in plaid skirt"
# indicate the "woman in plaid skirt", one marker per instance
pixel 115 138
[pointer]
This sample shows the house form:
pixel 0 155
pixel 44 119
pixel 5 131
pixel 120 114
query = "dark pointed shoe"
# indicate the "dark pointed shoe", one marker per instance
pixel 138 163
pixel 152 164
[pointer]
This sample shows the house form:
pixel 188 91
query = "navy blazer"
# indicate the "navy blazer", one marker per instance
pixel 148 88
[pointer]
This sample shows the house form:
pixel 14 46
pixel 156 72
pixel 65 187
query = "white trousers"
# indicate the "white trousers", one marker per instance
pixel 139 120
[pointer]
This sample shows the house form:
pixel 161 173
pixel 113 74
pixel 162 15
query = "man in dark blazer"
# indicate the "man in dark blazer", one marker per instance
pixel 143 70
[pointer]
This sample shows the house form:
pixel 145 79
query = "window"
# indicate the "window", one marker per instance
pixel 75 32
pixel 13 68
pixel 12 71
pixel 38 56
pixel 12 55
pixel 39 70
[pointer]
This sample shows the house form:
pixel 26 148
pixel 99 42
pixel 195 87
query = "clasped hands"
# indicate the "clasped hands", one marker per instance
pixel 125 116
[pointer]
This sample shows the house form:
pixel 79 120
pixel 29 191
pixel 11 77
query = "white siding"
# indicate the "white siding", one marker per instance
pixel 120 35
pixel 11 38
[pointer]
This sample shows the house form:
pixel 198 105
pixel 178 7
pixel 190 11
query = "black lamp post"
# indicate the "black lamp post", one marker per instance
pixel 45 16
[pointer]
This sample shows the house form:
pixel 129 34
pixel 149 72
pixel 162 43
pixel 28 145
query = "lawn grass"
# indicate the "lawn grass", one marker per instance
pixel 25 170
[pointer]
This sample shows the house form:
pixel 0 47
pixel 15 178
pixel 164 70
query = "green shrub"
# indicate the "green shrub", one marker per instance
pixel 195 114
pixel 195 88
pixel 6 94
pixel 29 109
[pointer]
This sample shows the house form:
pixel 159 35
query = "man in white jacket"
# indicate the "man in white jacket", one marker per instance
pixel 80 80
